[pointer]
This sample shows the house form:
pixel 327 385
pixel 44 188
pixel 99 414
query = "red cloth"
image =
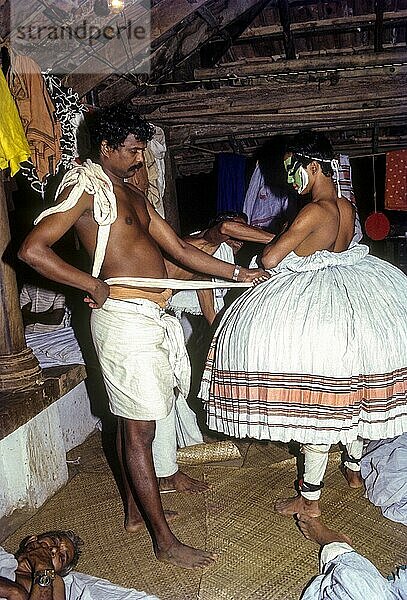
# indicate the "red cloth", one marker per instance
pixel 395 196
pixel 377 226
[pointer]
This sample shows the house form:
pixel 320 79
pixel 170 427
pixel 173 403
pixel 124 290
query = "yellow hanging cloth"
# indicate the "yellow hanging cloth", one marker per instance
pixel 14 148
pixel 37 113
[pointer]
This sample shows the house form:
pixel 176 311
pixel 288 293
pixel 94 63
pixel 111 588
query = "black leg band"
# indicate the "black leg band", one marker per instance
pixel 310 487
pixel 351 459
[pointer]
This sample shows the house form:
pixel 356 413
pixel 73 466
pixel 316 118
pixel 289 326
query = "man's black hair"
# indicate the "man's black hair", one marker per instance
pixel 114 124
pixel 310 145
pixel 77 543
pixel 270 158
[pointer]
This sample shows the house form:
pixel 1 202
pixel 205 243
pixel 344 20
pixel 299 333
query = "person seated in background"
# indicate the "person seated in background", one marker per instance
pixel 196 310
pixel 223 237
pixel 42 569
pixel 43 309
pixel 47 321
pixel 345 574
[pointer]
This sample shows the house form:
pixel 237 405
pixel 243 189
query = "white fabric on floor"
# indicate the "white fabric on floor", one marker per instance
pixel 384 469
pixel 79 586
pixel 346 575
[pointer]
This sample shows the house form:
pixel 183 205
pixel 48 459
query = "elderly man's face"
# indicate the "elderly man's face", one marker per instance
pixel 61 549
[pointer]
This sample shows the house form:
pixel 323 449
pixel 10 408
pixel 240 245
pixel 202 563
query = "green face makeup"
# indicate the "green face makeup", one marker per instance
pixel 296 174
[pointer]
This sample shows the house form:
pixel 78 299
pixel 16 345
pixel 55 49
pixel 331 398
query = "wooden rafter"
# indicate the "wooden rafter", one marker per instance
pixel 167 57
pixel 269 67
pixel 164 17
pixel 324 25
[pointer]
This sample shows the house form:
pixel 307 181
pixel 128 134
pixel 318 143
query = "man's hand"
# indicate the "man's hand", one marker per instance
pixel 98 296
pixel 252 275
pixel 37 555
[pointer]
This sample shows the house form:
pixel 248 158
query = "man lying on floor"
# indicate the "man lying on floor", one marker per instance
pixel 345 574
pixel 42 570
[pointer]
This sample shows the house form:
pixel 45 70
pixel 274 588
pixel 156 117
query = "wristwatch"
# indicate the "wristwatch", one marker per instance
pixel 45 577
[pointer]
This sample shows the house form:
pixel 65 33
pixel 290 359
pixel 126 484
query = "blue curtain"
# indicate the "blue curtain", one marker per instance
pixel 231 182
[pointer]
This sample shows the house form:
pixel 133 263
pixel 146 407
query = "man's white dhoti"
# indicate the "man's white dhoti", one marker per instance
pixel 142 356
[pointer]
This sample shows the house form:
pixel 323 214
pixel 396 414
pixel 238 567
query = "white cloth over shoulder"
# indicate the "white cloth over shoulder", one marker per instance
pixel 346 575
pixel 384 470
pixel 90 178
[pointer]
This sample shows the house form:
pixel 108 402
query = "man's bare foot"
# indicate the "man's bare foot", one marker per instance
pixel 181 482
pixel 131 525
pixel 186 557
pixel 313 529
pixel 291 506
pixel 353 478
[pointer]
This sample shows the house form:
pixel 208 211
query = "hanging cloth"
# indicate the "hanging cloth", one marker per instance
pixel 261 205
pixel 14 148
pixel 377 225
pixel 156 148
pixel 36 111
pixel 231 182
pixel 395 195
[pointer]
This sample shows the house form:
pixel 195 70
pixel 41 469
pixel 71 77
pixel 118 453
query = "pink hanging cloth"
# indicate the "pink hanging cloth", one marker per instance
pixel 395 195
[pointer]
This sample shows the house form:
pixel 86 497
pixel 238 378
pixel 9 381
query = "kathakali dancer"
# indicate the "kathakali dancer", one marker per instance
pixel 317 353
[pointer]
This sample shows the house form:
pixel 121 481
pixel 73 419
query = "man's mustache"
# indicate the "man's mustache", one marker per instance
pixel 136 167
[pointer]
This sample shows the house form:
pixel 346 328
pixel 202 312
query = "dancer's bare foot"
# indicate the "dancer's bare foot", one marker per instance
pixel 186 557
pixel 291 506
pixel 181 482
pixel 313 529
pixel 353 478
pixel 131 525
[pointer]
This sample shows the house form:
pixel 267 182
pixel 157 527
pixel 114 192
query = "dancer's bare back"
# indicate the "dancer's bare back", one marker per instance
pixel 326 224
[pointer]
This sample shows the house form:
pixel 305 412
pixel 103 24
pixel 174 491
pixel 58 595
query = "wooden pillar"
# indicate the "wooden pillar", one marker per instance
pixel 170 194
pixel 19 369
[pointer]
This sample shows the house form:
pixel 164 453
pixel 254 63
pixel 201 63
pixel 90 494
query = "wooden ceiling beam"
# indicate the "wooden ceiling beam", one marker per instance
pixel 336 24
pixel 298 91
pixel 167 57
pixel 227 35
pixel 203 134
pixel 269 67
pixel 378 26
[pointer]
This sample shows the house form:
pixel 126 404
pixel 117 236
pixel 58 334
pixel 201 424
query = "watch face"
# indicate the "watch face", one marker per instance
pixel 44 580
